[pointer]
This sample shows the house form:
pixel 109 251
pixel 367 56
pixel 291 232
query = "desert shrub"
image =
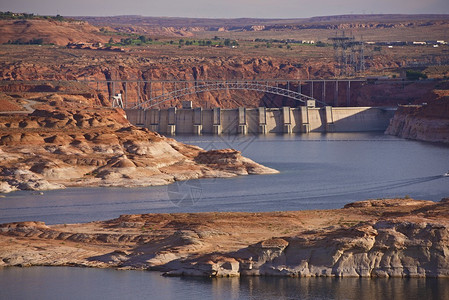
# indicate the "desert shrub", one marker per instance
pixel 415 75
pixel 34 41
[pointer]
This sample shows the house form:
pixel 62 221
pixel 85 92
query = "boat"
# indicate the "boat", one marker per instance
pixel 446 174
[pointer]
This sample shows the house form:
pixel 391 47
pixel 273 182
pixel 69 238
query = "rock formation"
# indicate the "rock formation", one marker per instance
pixel 428 122
pixel 389 26
pixel 84 146
pixel 151 65
pixel 374 238
pixel 49 31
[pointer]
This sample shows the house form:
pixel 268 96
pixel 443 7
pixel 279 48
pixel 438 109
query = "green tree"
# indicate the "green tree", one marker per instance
pixel 59 18
pixel 127 41
pixel 415 75
pixel 143 39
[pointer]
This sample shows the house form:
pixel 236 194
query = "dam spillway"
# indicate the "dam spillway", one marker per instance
pixel 262 120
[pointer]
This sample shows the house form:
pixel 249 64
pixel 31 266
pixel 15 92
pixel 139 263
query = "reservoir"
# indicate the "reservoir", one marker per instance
pixel 80 283
pixel 317 171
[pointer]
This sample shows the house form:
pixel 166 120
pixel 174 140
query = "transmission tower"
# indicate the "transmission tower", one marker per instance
pixel 349 54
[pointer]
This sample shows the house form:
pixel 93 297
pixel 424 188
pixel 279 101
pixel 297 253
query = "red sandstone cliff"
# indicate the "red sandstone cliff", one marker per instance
pixel 92 65
pixel 429 122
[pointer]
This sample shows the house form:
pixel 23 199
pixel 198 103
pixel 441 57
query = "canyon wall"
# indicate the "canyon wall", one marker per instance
pixel 428 122
pixel 85 67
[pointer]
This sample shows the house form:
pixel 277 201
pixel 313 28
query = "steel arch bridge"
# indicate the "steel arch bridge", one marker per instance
pixel 207 86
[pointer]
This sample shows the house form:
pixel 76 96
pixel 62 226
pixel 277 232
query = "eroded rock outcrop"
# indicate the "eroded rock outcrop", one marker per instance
pixel 49 31
pixel 85 146
pixel 374 238
pixel 156 67
pixel 422 129
pixel 428 122
pixel 381 249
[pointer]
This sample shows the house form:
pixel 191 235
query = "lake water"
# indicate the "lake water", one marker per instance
pixel 78 283
pixel 317 171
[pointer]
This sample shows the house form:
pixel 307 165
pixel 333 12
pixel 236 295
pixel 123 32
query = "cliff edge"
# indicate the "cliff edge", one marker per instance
pixel 427 122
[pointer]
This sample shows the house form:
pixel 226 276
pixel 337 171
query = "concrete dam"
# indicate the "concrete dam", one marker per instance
pixel 262 120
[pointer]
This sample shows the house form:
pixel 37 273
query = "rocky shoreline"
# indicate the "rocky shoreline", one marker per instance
pixel 428 122
pixel 54 148
pixel 373 238
pixel 419 128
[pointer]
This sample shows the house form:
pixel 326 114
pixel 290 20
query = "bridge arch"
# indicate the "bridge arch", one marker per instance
pixel 201 87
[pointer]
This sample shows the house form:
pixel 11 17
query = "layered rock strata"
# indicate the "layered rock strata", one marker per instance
pixel 85 146
pixel 156 66
pixel 429 122
pixel 374 238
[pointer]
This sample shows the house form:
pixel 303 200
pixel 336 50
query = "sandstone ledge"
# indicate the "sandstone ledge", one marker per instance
pixel 428 123
pixel 374 238
pixel 85 146
pixel 419 128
